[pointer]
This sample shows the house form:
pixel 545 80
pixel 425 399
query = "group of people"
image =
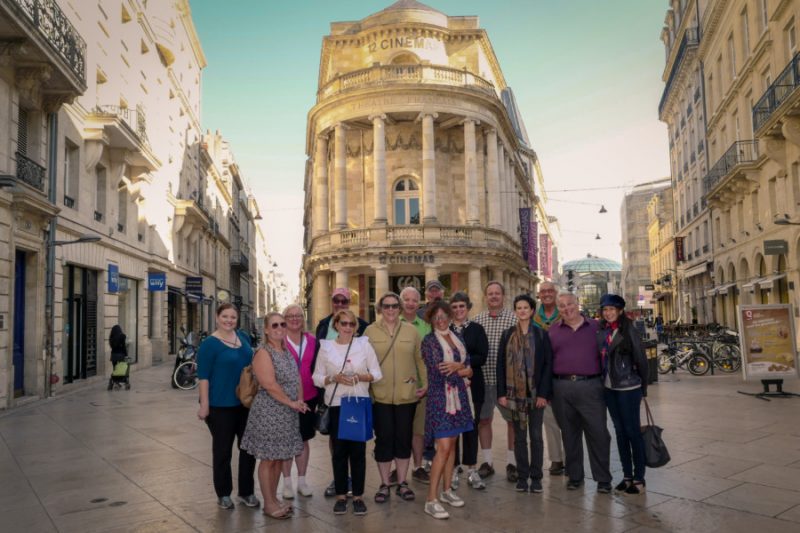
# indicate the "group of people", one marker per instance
pixel 434 376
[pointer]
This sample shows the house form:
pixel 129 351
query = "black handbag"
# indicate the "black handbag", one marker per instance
pixel 656 453
pixel 322 419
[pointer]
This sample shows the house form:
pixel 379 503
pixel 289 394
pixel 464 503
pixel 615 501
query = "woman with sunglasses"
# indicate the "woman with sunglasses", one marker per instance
pixel 220 360
pixel 447 411
pixel 302 345
pixel 395 396
pixel 351 363
pixel 273 428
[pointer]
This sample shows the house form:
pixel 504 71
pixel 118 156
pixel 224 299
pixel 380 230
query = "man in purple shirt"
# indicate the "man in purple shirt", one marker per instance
pixel 578 400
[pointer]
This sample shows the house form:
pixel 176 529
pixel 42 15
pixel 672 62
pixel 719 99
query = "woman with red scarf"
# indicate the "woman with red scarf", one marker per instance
pixel 624 367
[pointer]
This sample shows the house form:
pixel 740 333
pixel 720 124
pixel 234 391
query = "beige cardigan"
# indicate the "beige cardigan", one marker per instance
pixel 402 367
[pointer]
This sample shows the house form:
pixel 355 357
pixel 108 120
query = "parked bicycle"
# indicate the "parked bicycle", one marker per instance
pixel 184 376
pixel 683 355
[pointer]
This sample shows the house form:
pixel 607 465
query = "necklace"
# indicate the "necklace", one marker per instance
pixel 235 343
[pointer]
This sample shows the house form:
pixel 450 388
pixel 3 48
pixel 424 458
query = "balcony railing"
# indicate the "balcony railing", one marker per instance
pixel 240 260
pixel 690 40
pixel 64 39
pixel 30 172
pixel 134 118
pixel 739 153
pixel 777 93
pixel 421 74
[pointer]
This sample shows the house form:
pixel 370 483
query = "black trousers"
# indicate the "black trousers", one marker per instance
pixel 394 425
pixel 467 453
pixel 347 452
pixel 225 424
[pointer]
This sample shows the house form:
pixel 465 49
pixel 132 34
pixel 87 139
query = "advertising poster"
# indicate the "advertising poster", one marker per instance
pixel 767 341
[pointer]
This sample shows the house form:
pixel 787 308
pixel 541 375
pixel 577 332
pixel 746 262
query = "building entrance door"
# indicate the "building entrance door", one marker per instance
pixel 172 317
pixel 80 323
pixel 18 357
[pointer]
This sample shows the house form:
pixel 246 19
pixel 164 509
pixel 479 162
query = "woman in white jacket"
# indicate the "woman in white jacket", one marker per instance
pixel 351 363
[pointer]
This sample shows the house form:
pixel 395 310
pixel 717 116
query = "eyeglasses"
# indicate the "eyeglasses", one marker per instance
pixel 293 317
pixel 458 306
pixel 341 301
pixel 440 318
pixel 390 306
pixel 347 323
pixel 276 325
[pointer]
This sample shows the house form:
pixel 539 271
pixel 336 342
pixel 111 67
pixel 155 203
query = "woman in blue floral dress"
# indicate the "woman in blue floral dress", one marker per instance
pixel 447 413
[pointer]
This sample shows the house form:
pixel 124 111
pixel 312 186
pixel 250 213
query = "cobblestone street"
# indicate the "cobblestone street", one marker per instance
pixel 138 460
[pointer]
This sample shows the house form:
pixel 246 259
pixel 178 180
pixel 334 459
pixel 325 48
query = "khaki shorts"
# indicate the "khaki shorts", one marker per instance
pixel 490 402
pixel 419 417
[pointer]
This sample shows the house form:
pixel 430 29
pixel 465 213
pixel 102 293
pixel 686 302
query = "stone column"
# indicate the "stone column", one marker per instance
pixel 321 297
pixel 471 173
pixel 503 187
pixel 493 180
pixel 381 281
pixel 475 290
pixel 428 168
pixel 320 198
pixel 342 275
pixel 340 176
pixel 379 169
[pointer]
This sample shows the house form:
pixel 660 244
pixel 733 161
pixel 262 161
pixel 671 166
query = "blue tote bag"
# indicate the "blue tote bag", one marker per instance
pixel 355 419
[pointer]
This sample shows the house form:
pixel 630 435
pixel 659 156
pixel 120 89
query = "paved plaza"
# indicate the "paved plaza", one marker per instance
pixel 139 460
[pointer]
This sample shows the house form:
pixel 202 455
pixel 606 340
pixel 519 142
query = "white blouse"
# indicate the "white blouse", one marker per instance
pixel 361 360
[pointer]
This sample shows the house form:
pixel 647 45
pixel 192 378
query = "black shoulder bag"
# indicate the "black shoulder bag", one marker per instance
pixel 322 421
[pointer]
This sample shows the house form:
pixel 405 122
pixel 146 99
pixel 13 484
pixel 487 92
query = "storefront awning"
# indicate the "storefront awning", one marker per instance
pixel 768 281
pixel 696 270
pixel 723 289
pixel 750 285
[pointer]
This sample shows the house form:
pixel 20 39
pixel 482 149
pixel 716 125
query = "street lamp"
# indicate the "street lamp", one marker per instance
pixel 50 275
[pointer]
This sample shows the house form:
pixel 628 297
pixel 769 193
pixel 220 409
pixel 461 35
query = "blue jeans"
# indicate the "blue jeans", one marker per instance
pixel 623 406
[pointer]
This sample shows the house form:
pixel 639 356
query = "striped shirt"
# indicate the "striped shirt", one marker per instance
pixel 494 325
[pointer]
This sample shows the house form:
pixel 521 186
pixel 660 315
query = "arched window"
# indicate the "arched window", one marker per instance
pixel 405 196
pixel 405 58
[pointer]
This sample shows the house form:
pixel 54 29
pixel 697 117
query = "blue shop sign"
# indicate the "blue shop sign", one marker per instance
pixel 113 278
pixel 156 281
pixel 194 286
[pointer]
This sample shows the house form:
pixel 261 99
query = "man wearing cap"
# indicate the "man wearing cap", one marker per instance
pixel 495 320
pixel 578 394
pixel 545 316
pixel 434 291
pixel 340 300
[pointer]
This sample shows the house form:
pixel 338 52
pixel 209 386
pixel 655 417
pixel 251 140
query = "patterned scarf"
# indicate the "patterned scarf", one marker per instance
pixel 449 343
pixel 520 379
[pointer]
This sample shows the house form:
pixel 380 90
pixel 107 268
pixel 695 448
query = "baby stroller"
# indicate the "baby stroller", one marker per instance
pixel 120 375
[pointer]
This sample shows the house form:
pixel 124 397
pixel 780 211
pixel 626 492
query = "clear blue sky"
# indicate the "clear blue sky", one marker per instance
pixel 586 75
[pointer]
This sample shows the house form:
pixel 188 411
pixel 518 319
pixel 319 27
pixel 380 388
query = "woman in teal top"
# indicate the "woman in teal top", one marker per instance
pixel 220 361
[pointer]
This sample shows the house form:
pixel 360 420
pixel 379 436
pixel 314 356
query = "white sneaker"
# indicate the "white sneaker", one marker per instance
pixel 288 490
pixel 451 498
pixel 435 509
pixel 455 482
pixel 475 481
pixel 304 489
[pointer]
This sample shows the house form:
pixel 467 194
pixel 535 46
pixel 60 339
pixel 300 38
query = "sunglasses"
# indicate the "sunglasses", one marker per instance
pixel 458 306
pixel 341 301
pixel 293 317
pixel 391 306
pixel 276 325
pixel 347 323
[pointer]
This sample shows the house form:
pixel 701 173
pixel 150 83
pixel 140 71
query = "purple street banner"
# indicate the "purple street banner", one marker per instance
pixel 533 245
pixel 524 230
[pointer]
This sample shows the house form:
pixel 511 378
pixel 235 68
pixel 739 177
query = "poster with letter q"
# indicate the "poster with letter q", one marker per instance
pixel 768 343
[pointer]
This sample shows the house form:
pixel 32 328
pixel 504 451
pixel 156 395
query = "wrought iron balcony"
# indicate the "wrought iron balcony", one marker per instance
pixel 240 260
pixel 53 25
pixel 396 74
pixel 777 93
pixel 739 153
pixel 30 172
pixel 690 40
pixel 135 119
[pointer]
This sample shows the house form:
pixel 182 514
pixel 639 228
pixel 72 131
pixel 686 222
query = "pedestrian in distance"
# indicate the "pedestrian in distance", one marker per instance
pixel 524 383
pixel 120 371
pixel 351 363
pixel 273 428
pixel 624 365
pixel 220 360
pixel 578 394
pixel 395 396
pixel 477 346
pixel 303 347
pixel 448 412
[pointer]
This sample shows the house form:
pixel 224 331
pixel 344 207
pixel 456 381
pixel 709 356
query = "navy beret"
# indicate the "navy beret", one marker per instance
pixel 612 300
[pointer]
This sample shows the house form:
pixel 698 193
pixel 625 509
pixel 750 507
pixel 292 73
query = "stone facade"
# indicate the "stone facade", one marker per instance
pixel 419 162
pixel 752 185
pixel 660 237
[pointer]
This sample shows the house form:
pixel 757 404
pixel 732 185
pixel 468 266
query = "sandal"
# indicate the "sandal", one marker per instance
pixel 383 494
pixel 280 514
pixel 404 492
